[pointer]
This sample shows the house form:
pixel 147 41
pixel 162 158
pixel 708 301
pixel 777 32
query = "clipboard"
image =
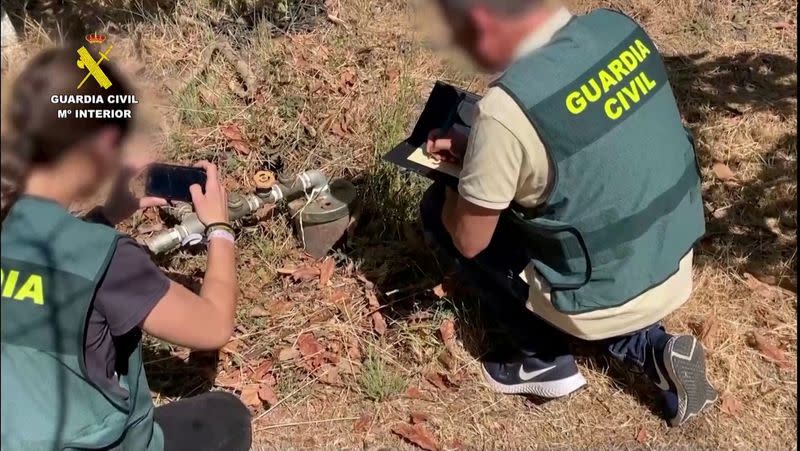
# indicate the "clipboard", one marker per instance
pixel 447 106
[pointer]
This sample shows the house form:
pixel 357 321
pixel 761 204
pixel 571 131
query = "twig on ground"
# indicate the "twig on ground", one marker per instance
pixel 304 423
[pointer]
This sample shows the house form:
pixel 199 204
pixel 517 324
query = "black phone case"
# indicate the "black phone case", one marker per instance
pixel 173 195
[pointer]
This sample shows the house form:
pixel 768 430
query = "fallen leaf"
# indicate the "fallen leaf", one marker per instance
pixel 764 289
pixel 372 299
pixel 263 370
pixel 329 374
pixel 250 396
pixel 730 405
pixel 722 171
pixel 231 347
pixel 228 380
pixel 326 271
pixel 232 132
pixel 456 445
pixel 279 307
pixel 378 323
pixel 241 147
pixel 346 80
pixel 305 273
pixel 642 435
pixel 417 434
pixel 448 332
pixel 286 271
pixel 354 352
pixel 321 316
pixel 437 380
pixel 708 334
pixel 267 394
pixel 416 393
pixel 439 291
pixel 338 296
pixel 258 312
pixel 288 354
pixel 418 417
pixel 308 345
pixel 363 423
pixel 770 351
pixel 349 367
pixel 453 380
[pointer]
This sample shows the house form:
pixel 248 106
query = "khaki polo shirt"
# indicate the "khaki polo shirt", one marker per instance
pixel 506 161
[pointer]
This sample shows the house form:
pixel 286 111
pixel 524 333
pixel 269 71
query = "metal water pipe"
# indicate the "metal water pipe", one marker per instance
pixel 320 211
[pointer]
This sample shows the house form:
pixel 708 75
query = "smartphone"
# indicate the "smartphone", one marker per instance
pixel 172 182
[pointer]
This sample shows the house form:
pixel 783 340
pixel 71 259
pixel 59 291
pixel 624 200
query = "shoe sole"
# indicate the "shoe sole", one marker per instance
pixel 548 389
pixel 685 362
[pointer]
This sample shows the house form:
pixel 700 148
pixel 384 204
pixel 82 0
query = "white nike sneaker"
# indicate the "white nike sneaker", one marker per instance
pixel 533 375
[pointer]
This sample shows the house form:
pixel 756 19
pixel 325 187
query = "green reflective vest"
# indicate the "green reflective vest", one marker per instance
pixel 52 264
pixel 625 204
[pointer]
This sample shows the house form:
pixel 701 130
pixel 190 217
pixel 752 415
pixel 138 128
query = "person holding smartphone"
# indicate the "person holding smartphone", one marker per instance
pixel 77 294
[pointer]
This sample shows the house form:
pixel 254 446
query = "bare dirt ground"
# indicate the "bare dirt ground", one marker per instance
pixel 332 361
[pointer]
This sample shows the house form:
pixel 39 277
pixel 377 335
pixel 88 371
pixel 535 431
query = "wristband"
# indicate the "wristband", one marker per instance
pixel 220 233
pixel 216 225
pixel 220 227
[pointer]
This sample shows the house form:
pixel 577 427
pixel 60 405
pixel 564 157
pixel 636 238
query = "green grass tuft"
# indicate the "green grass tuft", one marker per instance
pixel 378 381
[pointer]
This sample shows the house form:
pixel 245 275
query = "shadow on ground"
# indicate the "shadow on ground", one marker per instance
pixel 173 376
pixel 757 226
pixel 72 20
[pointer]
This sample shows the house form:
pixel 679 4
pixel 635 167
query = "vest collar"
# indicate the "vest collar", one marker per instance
pixel 537 38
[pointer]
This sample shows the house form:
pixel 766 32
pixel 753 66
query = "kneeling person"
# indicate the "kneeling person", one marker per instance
pixel 579 201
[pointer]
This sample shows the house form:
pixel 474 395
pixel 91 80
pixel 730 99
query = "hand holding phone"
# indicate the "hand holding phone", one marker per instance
pixel 172 182
pixel 210 201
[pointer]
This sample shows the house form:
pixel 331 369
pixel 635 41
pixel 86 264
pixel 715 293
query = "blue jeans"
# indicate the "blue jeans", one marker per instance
pixel 495 271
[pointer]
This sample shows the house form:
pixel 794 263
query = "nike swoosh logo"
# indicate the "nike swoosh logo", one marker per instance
pixel 526 376
pixel 662 381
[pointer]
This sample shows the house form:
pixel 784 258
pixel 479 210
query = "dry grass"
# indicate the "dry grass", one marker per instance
pixel 337 96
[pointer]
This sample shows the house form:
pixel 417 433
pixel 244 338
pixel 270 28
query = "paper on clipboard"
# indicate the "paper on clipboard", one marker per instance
pixel 419 156
pixel 447 106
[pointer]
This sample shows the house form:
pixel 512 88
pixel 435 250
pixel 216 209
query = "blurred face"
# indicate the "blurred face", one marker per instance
pixel 485 36
pixel 101 157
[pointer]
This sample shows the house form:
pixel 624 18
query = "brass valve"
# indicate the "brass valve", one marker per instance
pixel 264 180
